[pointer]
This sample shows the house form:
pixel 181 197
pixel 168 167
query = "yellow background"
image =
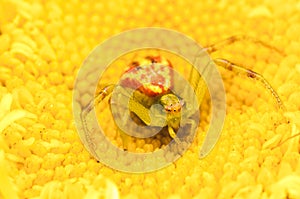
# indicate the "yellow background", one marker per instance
pixel 43 44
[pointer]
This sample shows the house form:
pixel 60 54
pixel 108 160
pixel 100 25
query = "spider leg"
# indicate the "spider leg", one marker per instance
pixel 126 104
pixel 141 111
pixel 192 123
pixel 107 90
pixel 126 139
pixel 85 111
pixel 182 142
pixel 132 103
pixel 250 74
pixel 237 38
pixel 199 85
pixel 173 134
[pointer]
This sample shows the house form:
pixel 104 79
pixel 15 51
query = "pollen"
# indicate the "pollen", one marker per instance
pixel 44 43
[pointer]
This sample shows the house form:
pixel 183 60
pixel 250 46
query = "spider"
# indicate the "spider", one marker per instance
pixel 155 104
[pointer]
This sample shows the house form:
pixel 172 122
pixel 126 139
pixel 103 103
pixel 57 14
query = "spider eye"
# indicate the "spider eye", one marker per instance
pixel 138 67
pixel 134 64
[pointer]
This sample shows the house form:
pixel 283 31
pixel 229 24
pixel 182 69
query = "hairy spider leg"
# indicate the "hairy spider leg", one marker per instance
pixel 101 95
pixel 107 90
pixel 240 69
pixel 199 85
pixel 247 72
pixel 295 133
pixel 238 38
pixel 250 74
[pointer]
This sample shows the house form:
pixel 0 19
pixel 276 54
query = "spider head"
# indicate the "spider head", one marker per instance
pixel 172 105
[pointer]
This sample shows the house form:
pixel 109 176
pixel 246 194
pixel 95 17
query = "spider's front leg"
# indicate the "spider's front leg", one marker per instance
pixel 240 69
pixel 252 75
pixel 238 38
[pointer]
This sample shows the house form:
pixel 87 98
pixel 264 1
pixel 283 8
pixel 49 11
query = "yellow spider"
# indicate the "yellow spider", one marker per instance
pixel 155 103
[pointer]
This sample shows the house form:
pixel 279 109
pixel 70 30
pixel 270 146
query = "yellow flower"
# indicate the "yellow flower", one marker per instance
pixel 44 43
